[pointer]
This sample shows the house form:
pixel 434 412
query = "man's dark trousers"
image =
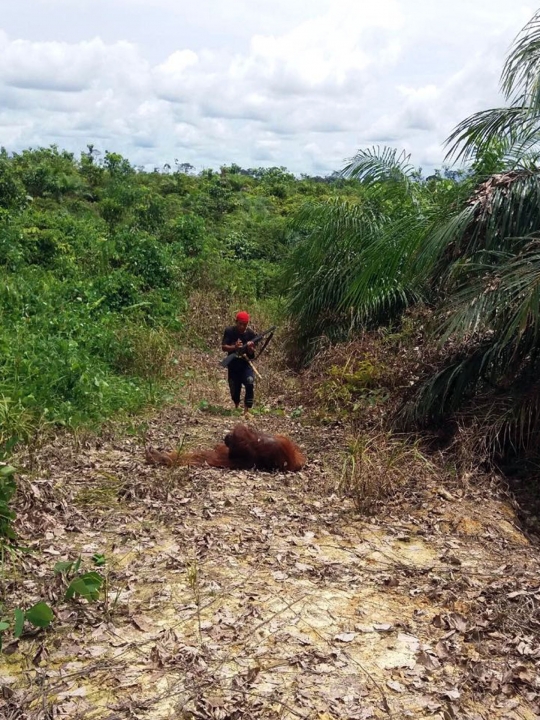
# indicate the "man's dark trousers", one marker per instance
pixel 238 376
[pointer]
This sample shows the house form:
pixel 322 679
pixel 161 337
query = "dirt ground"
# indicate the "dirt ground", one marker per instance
pixel 253 595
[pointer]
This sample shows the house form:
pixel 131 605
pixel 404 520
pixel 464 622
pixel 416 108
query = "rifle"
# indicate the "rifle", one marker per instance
pixel 243 350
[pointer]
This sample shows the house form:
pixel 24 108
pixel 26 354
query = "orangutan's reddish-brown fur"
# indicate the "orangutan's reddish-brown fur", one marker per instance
pixel 243 449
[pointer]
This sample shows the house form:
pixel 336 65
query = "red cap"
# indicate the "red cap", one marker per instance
pixel 242 317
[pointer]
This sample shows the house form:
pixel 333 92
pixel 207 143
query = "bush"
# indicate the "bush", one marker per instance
pixel 142 352
pixel 96 257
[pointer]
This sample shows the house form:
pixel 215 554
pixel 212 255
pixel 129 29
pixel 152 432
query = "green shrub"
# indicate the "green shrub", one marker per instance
pixel 98 260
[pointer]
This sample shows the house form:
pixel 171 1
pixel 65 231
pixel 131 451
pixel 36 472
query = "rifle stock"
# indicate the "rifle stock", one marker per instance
pixel 242 351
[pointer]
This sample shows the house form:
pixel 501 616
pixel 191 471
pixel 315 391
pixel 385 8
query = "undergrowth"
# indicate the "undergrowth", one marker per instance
pixel 108 269
pixel 378 467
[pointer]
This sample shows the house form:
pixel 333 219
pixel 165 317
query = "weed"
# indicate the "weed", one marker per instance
pixel 104 494
pixel 17 425
pixel 89 585
pixel 377 467
pixel 39 615
pixel 142 351
pixel 8 488
pixel 206 407
pixel 350 387
pixel 86 585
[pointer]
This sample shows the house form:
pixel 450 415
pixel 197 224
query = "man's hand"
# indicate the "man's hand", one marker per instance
pixel 250 345
pixel 239 344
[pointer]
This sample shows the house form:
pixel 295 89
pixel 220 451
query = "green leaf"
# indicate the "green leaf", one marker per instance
pixel 76 586
pixel 520 74
pixel 93 582
pixel 19 622
pixel 3 626
pixel 87 586
pixel 63 566
pixel 8 532
pixel 7 471
pixel 40 615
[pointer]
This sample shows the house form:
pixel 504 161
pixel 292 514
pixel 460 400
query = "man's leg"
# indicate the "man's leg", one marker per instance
pixel 235 387
pixel 249 383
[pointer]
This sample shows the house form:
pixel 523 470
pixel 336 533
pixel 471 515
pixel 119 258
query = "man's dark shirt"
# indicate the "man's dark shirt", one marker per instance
pixel 230 336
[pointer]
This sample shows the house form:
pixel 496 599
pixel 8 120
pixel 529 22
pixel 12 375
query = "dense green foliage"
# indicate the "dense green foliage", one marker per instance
pixel 98 261
pixel 357 263
pixel 465 244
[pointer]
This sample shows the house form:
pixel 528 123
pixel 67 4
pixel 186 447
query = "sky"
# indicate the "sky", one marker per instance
pixel 302 84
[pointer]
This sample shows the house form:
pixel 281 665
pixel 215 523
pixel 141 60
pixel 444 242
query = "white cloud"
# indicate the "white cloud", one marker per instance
pixel 288 83
pixel 65 67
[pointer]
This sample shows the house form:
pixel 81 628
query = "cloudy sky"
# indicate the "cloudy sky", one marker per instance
pixel 298 83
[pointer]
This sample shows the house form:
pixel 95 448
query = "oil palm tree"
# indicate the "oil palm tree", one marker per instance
pixel 491 299
pixel 471 249
pixel 355 263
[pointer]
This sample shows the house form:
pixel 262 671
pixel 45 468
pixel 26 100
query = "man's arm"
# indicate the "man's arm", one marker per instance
pixel 250 345
pixel 227 345
pixel 231 348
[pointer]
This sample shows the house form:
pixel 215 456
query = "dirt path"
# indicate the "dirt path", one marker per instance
pixel 248 595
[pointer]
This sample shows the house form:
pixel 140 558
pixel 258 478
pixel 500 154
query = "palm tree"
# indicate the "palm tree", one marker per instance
pixel 355 261
pixel 471 249
pixel 491 305
pixel 489 312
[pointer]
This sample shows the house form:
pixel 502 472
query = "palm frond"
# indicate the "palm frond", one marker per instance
pixel 380 165
pixel 514 417
pixel 321 266
pixel 506 416
pixel 401 265
pixel 382 285
pixel 520 79
pixel 444 392
pixel 505 127
pixel 502 299
pixel 523 151
pixel 328 222
pixel 438 248
pixel 505 212
pixel 516 127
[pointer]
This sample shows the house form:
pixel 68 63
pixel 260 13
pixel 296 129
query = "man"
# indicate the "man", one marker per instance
pixel 240 371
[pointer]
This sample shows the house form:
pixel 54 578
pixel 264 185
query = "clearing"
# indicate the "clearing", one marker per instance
pixel 250 595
